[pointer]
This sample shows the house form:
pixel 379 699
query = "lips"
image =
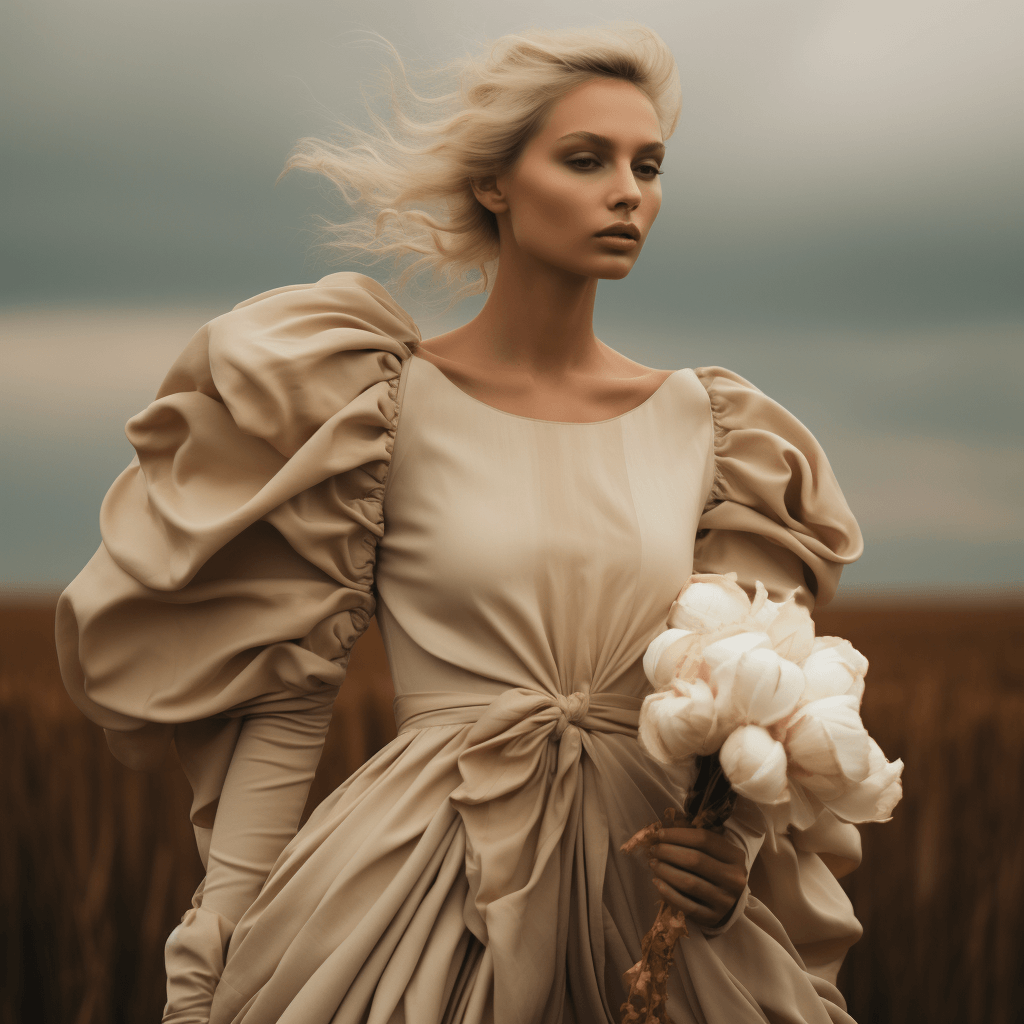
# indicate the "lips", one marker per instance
pixel 621 231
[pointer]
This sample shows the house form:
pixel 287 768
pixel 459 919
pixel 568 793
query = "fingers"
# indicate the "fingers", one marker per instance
pixel 699 871
pixel 693 886
pixel 731 878
pixel 713 843
pixel 706 916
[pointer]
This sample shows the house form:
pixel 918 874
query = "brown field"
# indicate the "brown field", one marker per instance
pixel 97 863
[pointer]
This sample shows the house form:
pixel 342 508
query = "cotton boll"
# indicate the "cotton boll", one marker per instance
pixel 649 731
pixel 874 798
pixel 708 602
pixel 663 654
pixel 826 787
pixel 834 668
pixel 827 737
pixel 755 765
pixel 680 722
pixel 760 687
pixel 762 610
pixel 791 632
pixel 731 647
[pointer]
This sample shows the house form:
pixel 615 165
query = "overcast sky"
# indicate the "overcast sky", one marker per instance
pixel 842 224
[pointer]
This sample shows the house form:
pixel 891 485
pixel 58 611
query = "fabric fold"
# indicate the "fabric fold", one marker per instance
pixel 471 872
pixel 775 511
pixel 520 801
pixel 236 572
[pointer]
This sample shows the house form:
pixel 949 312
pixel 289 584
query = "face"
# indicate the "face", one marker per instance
pixel 593 163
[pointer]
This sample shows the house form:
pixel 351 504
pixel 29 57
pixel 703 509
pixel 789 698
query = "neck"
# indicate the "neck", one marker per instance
pixel 537 319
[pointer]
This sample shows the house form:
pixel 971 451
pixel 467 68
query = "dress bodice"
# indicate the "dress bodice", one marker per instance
pixel 532 553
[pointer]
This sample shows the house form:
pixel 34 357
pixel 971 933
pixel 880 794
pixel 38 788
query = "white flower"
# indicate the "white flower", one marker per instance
pixel 708 602
pixel 755 765
pixel 827 738
pixel 730 648
pixel 792 631
pixel 676 653
pixel 834 668
pixel 782 708
pixel 762 610
pixel 758 687
pixel 874 798
pixel 679 722
pixel 804 806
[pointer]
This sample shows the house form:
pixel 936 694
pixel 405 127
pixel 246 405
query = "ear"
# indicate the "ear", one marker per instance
pixel 490 194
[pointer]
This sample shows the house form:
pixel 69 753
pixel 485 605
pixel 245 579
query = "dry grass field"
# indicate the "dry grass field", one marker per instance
pixel 97 863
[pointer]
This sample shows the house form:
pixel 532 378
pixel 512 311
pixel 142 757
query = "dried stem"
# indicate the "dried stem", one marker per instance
pixel 708 805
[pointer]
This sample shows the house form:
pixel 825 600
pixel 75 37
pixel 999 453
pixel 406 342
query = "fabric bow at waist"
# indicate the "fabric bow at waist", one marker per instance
pixel 594 712
pixel 522 805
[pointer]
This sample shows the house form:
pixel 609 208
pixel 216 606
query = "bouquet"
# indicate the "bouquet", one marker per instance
pixel 761 708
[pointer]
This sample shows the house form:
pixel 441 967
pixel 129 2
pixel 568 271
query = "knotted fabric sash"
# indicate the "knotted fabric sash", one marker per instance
pixel 523 808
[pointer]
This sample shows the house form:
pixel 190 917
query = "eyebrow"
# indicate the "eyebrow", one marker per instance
pixel 603 140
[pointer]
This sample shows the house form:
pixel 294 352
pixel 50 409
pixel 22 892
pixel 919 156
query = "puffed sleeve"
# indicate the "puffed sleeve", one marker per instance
pixel 235 574
pixel 776 513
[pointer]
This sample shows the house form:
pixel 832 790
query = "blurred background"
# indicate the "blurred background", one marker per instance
pixel 842 219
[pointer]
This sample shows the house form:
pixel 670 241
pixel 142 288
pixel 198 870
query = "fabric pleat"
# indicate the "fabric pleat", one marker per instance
pixel 775 508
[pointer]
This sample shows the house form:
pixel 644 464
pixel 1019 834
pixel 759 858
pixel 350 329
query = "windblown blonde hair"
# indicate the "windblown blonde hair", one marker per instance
pixel 411 183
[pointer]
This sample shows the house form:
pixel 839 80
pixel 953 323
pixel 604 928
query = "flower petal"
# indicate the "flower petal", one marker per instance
pixel 761 687
pixel 827 737
pixel 804 805
pixel 665 651
pixel 834 668
pixel 874 798
pixel 709 601
pixel 792 631
pixel 731 647
pixel 755 765
pixel 762 610
pixel 677 723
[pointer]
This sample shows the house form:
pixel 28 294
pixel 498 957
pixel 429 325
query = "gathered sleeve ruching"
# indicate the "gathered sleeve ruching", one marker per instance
pixel 775 511
pixel 236 572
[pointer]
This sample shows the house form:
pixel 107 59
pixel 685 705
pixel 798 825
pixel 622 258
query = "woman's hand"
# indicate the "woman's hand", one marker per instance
pixel 700 871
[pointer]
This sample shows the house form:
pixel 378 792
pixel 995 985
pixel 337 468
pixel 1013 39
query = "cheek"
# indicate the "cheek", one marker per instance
pixel 554 201
pixel 651 205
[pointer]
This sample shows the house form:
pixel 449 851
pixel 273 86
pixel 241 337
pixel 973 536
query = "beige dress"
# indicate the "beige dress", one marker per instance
pixel 302 469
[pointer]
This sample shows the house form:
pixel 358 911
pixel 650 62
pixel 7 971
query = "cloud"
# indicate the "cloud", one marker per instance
pixel 914 466
pixel 927 488
pixel 836 163
pixel 842 225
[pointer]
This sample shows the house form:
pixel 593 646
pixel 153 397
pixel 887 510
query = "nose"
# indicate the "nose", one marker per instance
pixel 625 190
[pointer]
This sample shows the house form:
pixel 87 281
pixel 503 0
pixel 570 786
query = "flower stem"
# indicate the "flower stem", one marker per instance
pixel 708 805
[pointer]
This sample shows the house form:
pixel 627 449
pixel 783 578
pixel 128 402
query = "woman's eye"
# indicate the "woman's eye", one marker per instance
pixel 651 168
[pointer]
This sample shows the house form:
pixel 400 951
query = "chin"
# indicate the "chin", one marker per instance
pixel 604 269
pixel 617 274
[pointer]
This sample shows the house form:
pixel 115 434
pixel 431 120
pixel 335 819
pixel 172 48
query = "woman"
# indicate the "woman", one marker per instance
pixel 518 504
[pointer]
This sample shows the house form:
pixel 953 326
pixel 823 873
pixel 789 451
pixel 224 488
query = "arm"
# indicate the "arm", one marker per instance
pixel 236 572
pixel 264 790
pixel 774 513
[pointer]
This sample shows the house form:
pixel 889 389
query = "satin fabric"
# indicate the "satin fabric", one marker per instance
pixel 524 567
pixel 471 870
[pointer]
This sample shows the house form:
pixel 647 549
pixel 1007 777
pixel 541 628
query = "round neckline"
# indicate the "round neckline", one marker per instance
pixel 536 419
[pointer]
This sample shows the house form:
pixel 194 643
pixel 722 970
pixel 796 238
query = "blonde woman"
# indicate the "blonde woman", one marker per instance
pixel 518 503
